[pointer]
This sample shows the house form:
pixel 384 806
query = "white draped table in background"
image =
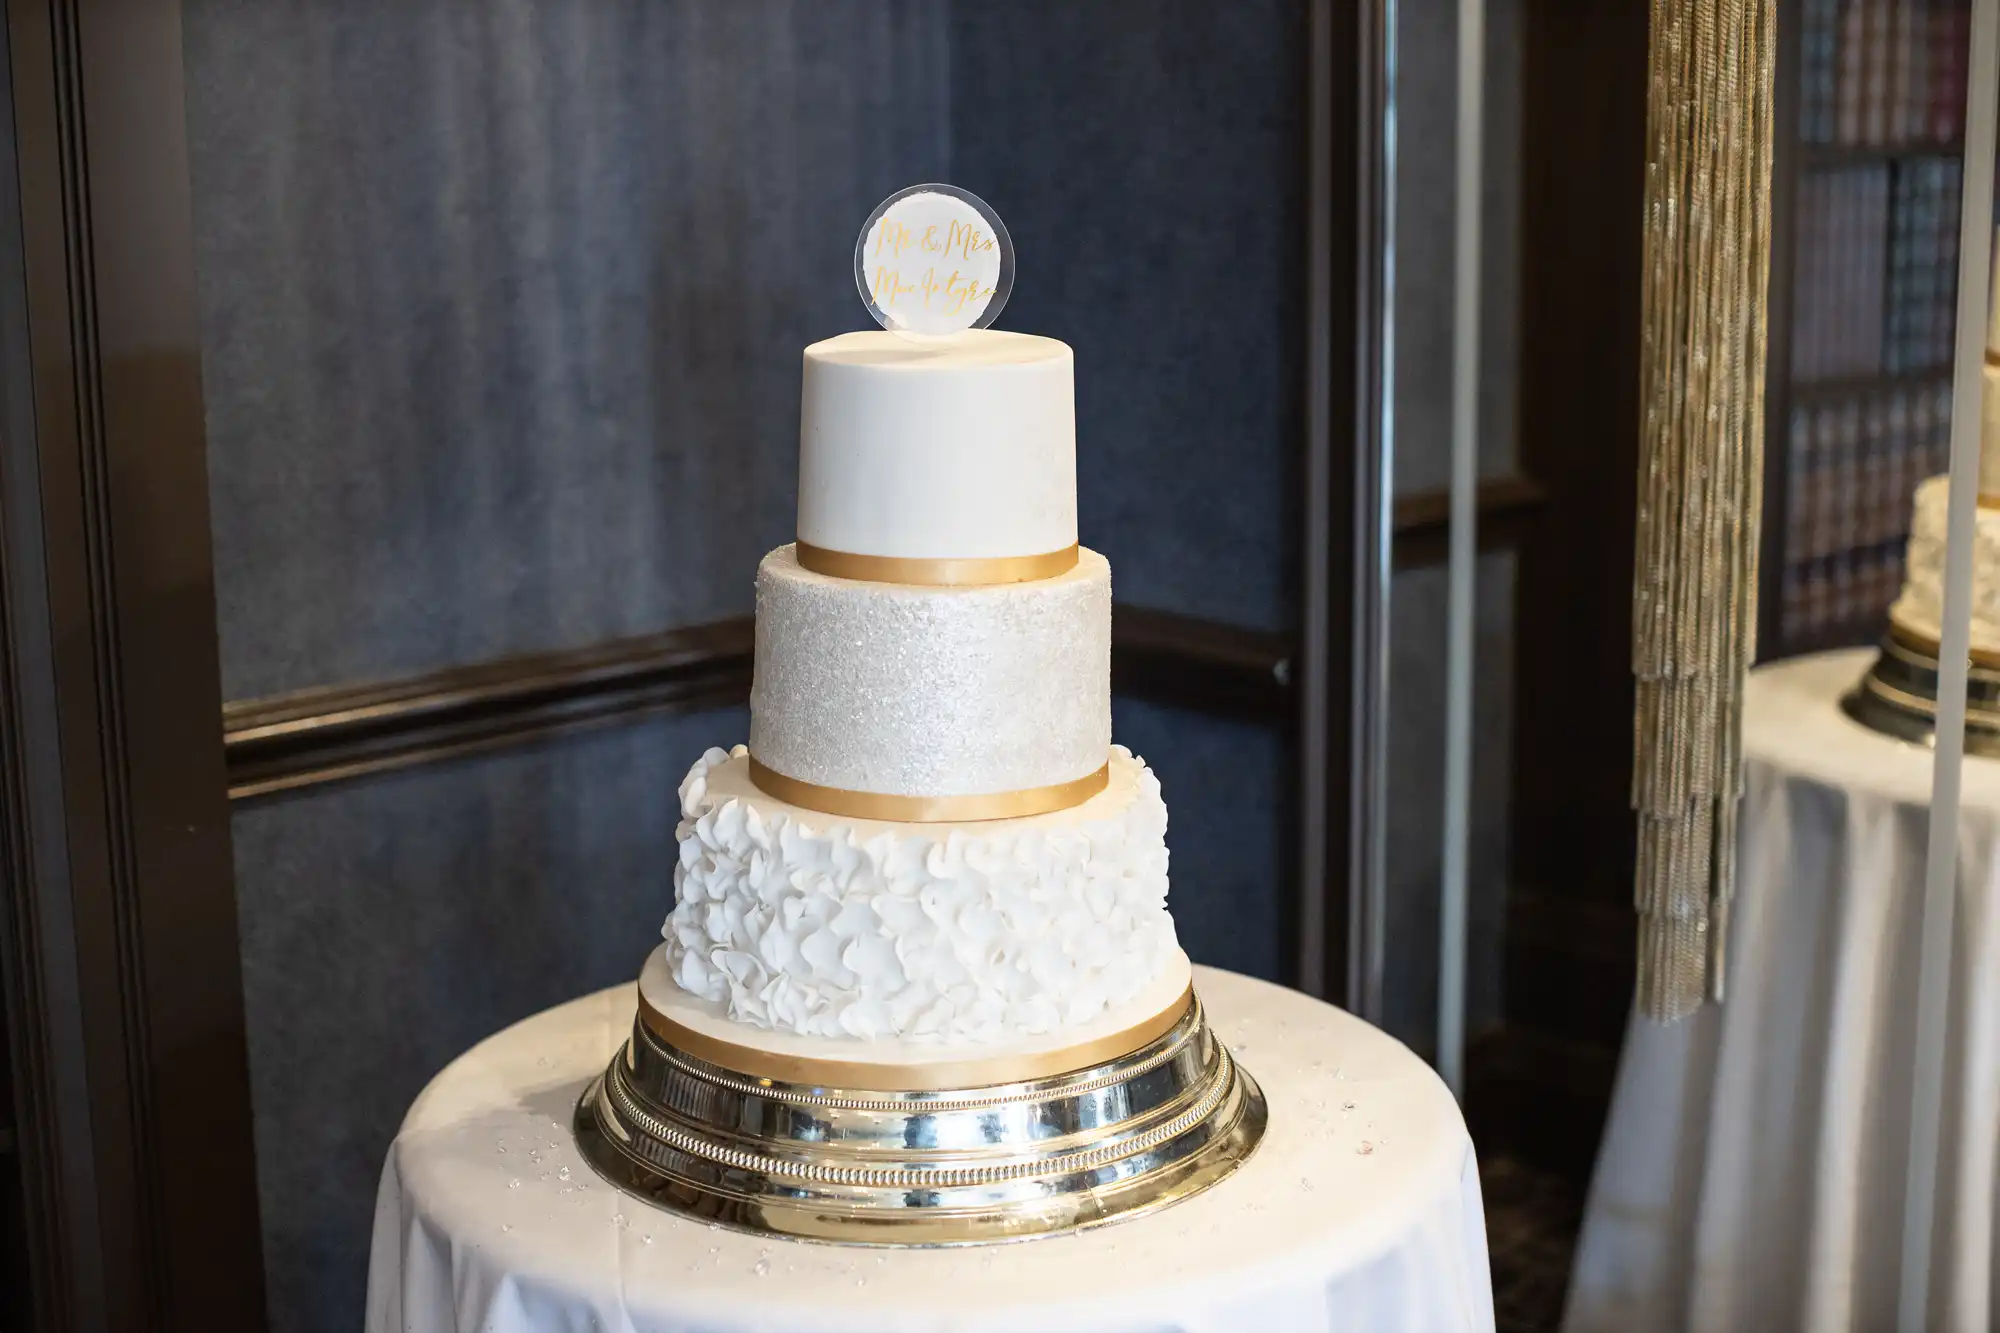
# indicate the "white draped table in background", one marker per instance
pixel 1360 1211
pixel 1751 1176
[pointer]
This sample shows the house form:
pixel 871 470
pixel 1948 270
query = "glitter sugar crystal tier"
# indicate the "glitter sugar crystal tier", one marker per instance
pixel 920 984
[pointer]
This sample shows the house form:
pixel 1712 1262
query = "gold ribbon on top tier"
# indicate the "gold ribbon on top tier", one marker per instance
pixel 947 571
pixel 929 809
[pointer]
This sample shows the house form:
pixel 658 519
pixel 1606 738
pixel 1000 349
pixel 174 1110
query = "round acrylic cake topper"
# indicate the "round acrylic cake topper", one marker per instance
pixel 934 260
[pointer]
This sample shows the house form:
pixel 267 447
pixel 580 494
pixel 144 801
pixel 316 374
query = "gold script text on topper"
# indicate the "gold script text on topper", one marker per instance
pixel 952 290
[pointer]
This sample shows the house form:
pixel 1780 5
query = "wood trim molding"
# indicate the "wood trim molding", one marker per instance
pixel 1202 665
pixel 326 735
pixel 1507 506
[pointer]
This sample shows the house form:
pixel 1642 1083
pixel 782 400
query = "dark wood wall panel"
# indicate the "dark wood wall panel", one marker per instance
pixel 122 995
pixel 1584 165
pixel 502 306
pixel 1545 1080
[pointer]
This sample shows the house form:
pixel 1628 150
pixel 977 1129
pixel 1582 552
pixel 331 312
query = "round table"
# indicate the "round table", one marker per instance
pixel 1751 1174
pixel 1360 1210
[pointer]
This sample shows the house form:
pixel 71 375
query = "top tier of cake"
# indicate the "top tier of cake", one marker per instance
pixel 960 450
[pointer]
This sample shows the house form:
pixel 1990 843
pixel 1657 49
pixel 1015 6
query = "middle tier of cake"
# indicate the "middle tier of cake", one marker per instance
pixel 881 689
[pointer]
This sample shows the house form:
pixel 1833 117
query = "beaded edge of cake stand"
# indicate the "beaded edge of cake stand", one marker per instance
pixel 964 1166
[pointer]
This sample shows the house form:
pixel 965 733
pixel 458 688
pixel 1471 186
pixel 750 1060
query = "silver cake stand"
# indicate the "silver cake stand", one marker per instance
pixel 960 1166
pixel 1898 695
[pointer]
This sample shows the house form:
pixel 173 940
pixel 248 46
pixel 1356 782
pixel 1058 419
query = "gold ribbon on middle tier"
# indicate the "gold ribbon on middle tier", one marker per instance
pixel 944 572
pixel 895 808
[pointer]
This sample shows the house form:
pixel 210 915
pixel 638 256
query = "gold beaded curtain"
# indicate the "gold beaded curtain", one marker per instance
pixel 1694 614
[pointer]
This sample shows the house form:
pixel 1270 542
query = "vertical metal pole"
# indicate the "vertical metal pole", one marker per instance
pixel 1374 367
pixel 1462 570
pixel 1975 254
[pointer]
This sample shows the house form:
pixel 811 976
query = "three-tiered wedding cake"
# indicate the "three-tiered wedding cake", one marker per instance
pixel 919 985
pixel 930 838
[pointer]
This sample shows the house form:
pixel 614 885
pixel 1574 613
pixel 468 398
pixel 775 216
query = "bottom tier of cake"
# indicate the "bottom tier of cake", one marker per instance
pixel 940 934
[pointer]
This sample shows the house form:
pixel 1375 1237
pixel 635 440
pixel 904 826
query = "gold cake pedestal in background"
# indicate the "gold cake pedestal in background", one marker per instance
pixel 956 1166
pixel 1898 695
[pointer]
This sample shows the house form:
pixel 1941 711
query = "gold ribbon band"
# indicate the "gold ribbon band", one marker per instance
pixel 929 809
pixel 930 1076
pixel 956 573
pixel 1928 648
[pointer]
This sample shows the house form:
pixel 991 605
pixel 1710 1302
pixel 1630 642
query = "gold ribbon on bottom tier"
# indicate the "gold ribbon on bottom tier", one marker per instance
pixel 750 1061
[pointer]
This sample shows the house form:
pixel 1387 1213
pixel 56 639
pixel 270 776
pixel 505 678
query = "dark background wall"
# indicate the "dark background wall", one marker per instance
pixel 502 305
pixel 1147 161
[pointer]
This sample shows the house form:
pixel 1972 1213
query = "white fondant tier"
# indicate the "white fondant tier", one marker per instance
pixel 930 933
pixel 931 691
pixel 1919 611
pixel 961 450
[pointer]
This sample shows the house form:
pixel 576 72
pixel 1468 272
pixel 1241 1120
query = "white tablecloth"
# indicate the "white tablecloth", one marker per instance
pixel 1751 1176
pixel 1359 1211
